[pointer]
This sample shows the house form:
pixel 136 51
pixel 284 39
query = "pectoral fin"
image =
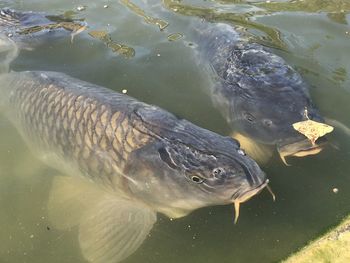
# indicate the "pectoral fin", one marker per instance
pixel 260 153
pixel 110 228
pixel 69 198
pixel 114 230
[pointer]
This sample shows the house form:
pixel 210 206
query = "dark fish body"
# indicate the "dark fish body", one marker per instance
pixel 30 29
pixel 259 94
pixel 108 136
pixel 11 20
pixel 145 158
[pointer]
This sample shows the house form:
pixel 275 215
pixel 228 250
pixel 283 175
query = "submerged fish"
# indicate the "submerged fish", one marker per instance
pixel 138 159
pixel 29 28
pixel 259 94
pixel 148 160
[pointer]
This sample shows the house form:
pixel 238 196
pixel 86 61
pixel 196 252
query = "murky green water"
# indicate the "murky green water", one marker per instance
pixel 312 35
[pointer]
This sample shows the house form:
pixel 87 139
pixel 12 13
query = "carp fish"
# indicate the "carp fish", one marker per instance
pixel 127 160
pixel 30 29
pixel 258 93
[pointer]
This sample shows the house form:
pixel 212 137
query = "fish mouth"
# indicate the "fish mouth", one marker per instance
pixel 239 198
pixel 300 149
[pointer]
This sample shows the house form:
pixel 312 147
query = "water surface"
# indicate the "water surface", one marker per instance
pixel 313 36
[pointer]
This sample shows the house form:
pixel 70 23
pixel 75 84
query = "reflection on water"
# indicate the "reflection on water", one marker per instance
pixel 237 19
pixel 165 73
pixel 312 6
pixel 148 19
pixel 124 50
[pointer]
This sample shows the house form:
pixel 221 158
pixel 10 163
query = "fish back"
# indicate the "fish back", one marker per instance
pixel 75 121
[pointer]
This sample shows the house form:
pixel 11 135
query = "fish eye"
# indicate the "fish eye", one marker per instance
pixel 241 152
pixel 219 172
pixel 267 122
pixel 196 179
pixel 248 117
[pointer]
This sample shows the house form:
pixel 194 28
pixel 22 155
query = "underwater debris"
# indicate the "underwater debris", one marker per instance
pixel 148 19
pixel 122 49
pixel 175 36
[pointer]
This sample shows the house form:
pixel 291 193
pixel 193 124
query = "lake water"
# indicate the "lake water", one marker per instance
pixel 312 35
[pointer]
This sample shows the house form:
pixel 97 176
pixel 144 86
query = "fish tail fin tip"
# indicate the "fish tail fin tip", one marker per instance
pixel 8 18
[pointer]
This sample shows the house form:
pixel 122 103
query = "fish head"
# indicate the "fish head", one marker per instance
pixel 212 177
pixel 264 96
pixel 193 170
pixel 270 118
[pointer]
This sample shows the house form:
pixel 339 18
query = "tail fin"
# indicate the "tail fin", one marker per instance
pixel 11 20
pixel 8 18
pixel 30 29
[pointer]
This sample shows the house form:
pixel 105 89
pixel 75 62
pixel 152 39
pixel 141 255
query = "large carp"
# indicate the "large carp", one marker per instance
pixel 258 93
pixel 138 159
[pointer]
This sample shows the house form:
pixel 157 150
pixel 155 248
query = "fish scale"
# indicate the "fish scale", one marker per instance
pixel 76 125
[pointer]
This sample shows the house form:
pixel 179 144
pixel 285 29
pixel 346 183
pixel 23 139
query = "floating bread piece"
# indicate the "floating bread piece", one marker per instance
pixel 312 129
